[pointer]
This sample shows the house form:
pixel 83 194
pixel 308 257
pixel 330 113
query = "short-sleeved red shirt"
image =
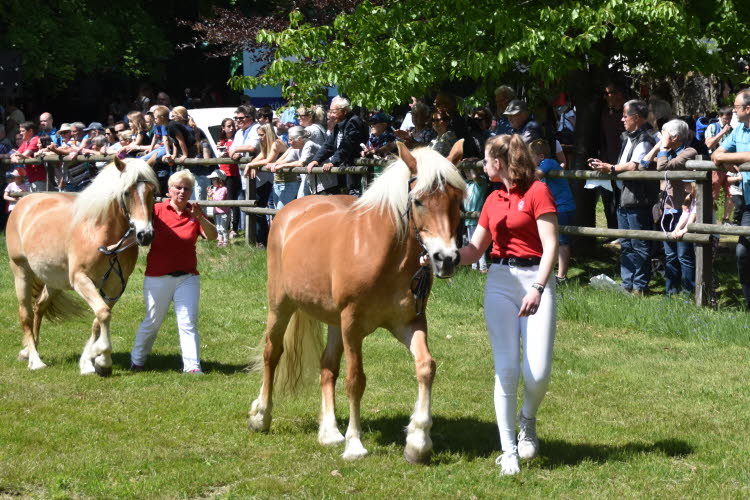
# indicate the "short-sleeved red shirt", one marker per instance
pixel 511 219
pixel 173 247
pixel 35 172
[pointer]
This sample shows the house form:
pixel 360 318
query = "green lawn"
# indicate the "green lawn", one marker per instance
pixel 649 398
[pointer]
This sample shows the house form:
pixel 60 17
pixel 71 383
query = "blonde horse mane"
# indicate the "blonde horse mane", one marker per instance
pixel 389 193
pixel 93 203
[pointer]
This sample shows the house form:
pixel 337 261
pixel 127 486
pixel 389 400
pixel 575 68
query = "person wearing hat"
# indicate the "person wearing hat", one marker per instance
pixel 18 185
pixel 382 140
pixel 217 192
pixel 517 113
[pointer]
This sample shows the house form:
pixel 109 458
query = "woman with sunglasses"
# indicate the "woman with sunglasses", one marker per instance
pixel 446 137
pixel 285 184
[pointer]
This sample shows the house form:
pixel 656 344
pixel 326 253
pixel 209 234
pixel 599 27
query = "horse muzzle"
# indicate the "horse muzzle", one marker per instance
pixel 144 236
pixel 444 263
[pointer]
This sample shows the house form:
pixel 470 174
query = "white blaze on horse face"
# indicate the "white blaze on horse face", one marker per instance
pixel 443 255
pixel 142 224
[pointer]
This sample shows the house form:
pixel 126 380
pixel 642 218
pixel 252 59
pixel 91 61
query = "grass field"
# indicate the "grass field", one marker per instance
pixel 649 398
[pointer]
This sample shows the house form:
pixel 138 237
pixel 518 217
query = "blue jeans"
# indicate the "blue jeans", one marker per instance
pixel 680 260
pixel 743 257
pixel 635 255
pixel 285 192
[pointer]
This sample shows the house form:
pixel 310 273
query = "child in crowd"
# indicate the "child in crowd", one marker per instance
pixel 382 140
pixel 560 189
pixel 19 185
pixel 476 192
pixel 218 191
pixel 688 214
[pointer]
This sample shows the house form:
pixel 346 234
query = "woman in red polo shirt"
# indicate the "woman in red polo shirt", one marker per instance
pixel 520 220
pixel 172 274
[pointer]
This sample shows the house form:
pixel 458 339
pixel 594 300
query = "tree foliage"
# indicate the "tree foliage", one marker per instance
pixel 381 54
pixel 60 39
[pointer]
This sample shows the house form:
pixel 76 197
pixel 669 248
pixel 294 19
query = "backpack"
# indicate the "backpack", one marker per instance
pixel 701 124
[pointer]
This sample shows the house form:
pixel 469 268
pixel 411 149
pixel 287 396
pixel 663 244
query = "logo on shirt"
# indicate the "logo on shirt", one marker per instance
pixel 520 205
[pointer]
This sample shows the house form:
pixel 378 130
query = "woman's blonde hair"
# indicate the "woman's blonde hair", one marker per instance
pixel 137 122
pixel 514 153
pixel 180 111
pixel 267 142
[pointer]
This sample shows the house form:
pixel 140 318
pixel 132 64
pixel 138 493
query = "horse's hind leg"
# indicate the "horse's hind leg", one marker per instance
pixel 260 410
pixel 24 284
pixel 418 448
pixel 328 432
pixel 355 387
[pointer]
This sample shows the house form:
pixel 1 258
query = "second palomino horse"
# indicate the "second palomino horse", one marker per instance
pixel 59 241
pixel 353 265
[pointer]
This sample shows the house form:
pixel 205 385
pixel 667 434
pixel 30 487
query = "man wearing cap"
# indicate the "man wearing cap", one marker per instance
pixel 517 113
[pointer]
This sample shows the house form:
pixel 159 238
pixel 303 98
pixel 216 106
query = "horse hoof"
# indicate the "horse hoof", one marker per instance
pixel 23 354
pixel 354 451
pixel 414 457
pixel 258 423
pixel 37 366
pixel 331 439
pixel 103 371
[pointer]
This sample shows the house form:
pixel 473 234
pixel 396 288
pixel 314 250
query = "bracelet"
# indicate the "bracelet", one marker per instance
pixel 539 288
pixel 612 169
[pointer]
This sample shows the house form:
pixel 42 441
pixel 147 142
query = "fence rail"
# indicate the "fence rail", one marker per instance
pixel 698 171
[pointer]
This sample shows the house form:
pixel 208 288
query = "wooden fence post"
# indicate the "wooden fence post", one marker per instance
pixel 251 238
pixel 704 275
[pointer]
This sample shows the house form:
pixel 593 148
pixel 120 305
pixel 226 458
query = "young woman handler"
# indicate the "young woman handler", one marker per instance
pixel 520 221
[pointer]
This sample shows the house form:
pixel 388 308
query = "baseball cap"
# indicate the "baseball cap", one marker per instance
pixel 94 126
pixel 217 174
pixel 516 106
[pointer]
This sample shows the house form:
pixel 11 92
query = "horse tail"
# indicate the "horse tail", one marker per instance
pixel 61 305
pixel 303 347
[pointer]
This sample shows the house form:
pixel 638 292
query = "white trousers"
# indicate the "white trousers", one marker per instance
pixel 158 293
pixel 535 335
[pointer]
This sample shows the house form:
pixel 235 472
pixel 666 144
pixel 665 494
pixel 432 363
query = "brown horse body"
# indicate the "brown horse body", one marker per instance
pixel 350 264
pixel 53 242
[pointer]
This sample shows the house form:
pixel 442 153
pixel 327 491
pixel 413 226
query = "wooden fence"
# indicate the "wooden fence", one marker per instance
pixel 700 233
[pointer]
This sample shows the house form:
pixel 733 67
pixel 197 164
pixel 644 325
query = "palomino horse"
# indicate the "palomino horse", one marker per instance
pixel 351 263
pixel 57 241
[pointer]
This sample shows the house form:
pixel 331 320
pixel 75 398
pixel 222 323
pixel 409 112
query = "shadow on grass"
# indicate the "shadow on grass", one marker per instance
pixel 170 363
pixel 556 453
pixel 477 439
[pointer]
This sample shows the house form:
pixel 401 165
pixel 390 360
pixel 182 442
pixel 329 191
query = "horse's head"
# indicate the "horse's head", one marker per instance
pixel 435 196
pixel 137 202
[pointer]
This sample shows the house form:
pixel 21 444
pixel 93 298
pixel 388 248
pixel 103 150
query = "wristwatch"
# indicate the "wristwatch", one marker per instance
pixel 539 288
pixel 612 169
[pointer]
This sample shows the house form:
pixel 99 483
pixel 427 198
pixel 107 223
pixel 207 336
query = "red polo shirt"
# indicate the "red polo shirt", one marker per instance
pixel 35 172
pixel 511 219
pixel 173 247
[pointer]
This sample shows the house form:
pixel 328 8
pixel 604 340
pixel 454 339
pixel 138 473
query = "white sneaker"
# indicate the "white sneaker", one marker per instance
pixel 528 443
pixel 508 463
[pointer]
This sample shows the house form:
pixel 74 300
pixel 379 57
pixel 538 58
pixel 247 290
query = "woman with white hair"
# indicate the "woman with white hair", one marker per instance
pixel 671 153
pixel 302 150
pixel 172 273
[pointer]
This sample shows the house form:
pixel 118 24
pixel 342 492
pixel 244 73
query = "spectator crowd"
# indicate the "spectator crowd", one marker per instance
pixel 634 135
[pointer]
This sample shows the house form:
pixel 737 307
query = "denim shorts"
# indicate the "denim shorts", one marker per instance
pixel 564 219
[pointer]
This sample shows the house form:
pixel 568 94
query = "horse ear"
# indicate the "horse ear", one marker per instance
pixel 457 152
pixel 119 164
pixel 407 157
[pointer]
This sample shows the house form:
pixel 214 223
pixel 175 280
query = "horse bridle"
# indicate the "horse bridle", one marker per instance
pixel 114 262
pixel 421 282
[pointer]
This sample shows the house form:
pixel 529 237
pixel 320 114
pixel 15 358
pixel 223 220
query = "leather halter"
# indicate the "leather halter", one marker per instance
pixel 421 282
pixel 114 262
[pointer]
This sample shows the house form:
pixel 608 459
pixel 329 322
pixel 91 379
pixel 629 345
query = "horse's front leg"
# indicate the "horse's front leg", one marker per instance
pixel 330 363
pixel 418 448
pixel 97 355
pixel 355 388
